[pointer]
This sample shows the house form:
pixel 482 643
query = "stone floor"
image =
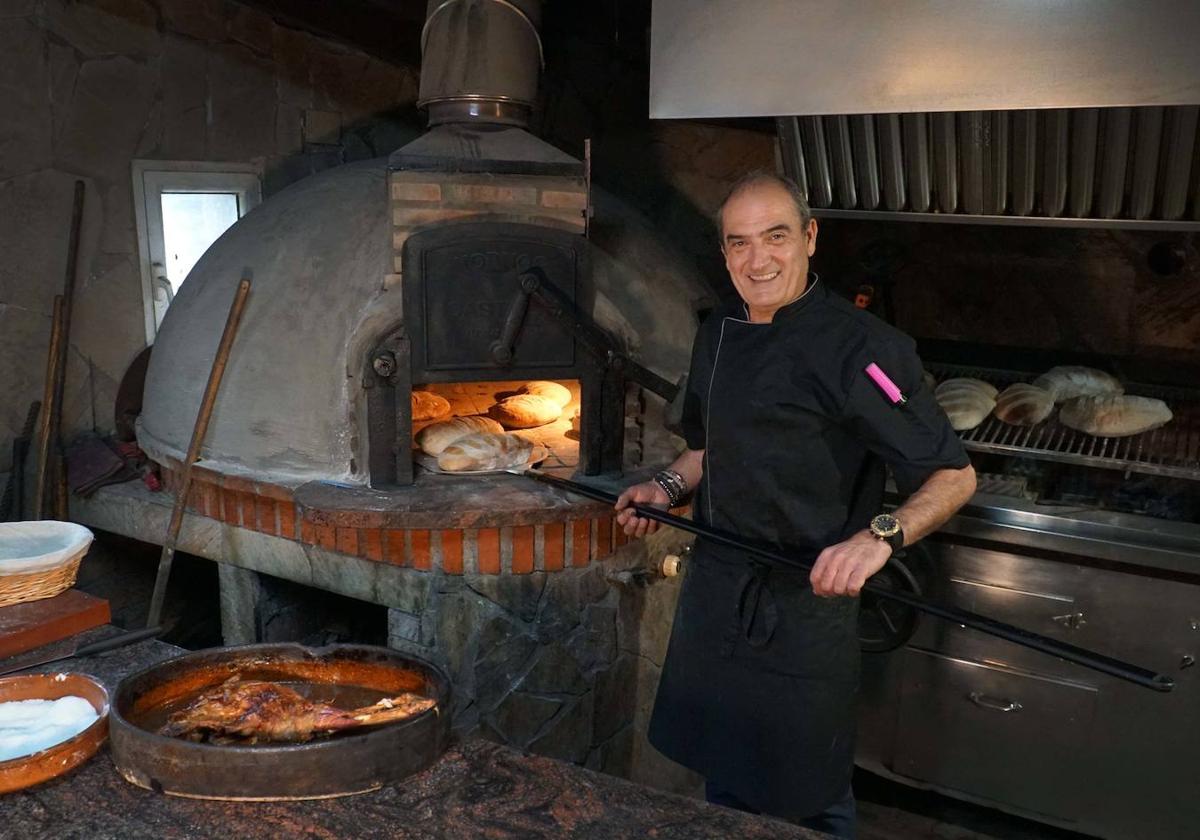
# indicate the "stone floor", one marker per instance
pixel 123 570
pixel 888 810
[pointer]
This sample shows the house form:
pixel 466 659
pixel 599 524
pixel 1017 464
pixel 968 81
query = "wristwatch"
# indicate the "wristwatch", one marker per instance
pixel 887 528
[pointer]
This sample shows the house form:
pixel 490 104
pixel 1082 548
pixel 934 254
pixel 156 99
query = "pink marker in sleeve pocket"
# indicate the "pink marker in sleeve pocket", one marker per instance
pixel 885 384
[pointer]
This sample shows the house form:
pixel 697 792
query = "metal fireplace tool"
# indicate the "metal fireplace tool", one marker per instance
pixel 1080 656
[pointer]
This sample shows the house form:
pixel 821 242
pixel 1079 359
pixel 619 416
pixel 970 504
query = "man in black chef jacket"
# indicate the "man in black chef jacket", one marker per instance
pixel 788 429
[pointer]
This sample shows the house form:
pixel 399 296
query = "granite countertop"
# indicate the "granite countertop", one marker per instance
pixel 477 789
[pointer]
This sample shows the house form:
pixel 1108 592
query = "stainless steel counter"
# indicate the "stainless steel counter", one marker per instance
pixel 1082 531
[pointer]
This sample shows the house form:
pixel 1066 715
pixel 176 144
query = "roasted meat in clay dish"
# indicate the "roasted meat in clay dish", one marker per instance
pixel 255 711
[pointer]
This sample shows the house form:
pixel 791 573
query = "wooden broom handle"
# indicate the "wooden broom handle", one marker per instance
pixel 193 453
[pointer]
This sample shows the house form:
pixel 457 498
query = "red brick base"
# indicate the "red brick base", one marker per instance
pixel 509 549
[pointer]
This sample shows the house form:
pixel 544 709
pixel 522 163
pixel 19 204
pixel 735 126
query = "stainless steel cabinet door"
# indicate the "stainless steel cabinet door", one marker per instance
pixel 999 734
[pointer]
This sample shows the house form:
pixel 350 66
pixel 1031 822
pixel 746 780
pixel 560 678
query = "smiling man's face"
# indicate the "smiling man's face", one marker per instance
pixel 766 248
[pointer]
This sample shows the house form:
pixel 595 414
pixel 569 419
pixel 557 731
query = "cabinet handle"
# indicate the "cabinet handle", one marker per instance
pixel 1072 621
pixel 982 700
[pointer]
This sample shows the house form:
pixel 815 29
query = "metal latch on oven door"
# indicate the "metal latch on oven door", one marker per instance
pixel 534 286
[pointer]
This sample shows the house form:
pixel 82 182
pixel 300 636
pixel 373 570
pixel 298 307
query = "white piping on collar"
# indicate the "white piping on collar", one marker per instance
pixel 816 278
pixel 707 416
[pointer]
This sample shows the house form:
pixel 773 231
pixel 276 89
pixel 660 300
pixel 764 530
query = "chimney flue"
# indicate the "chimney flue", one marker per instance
pixel 480 61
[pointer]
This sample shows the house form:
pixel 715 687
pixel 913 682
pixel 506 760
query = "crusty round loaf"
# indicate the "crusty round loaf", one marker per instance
pixel 437 436
pixel 552 390
pixel 1021 404
pixel 524 411
pixel 967 402
pixel 1066 382
pixel 485 451
pixel 427 405
pixel 1114 415
pixel 966 381
pixel 966 409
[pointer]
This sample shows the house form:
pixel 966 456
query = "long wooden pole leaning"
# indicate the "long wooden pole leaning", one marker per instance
pixel 198 432
pixel 54 413
pixel 49 391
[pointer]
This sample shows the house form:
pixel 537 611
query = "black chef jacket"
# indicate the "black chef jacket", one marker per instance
pixel 759 686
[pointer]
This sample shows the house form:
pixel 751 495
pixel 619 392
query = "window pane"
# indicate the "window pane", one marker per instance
pixel 192 222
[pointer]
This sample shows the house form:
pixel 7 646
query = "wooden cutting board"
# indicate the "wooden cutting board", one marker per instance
pixel 35 623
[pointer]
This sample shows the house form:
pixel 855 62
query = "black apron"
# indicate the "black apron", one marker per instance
pixel 758 691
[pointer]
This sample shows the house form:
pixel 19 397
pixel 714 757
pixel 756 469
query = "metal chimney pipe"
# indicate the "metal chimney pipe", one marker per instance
pixel 480 61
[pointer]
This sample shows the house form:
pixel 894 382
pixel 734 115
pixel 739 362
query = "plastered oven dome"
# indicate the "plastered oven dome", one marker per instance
pixel 319 256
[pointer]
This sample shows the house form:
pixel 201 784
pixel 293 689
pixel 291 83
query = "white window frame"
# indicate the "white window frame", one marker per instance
pixel 151 178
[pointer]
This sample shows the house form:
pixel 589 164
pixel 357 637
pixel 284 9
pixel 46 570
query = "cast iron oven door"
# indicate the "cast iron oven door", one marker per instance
pixel 467 320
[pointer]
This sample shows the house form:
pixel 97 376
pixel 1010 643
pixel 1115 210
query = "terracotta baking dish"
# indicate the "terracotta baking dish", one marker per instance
pixel 28 770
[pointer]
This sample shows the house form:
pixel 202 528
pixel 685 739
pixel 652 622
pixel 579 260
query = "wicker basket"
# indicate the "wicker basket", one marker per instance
pixel 58 566
pixel 33 586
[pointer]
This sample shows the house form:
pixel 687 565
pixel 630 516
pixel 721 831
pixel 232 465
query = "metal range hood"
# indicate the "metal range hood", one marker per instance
pixel 1071 112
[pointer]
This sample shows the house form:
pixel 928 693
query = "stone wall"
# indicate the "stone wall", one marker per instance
pixel 87 86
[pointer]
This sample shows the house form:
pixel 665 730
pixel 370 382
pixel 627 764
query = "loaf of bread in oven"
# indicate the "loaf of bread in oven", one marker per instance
pixel 551 390
pixel 1022 404
pixel 485 451
pixel 437 436
pixel 524 411
pixel 427 405
pixel 966 401
pixel 1066 382
pixel 1114 415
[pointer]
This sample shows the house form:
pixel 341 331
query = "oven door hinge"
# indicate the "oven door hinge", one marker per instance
pixel 387 377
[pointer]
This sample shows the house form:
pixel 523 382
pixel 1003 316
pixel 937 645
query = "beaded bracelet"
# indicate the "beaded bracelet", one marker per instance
pixel 666 487
pixel 678 481
pixel 673 484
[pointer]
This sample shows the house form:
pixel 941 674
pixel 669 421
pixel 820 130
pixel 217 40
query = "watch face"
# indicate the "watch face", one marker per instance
pixel 885 525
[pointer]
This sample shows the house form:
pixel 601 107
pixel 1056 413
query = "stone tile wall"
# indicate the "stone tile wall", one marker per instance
pixel 87 86
pixel 535 659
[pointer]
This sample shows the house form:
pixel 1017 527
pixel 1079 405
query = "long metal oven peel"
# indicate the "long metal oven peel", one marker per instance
pixel 1080 656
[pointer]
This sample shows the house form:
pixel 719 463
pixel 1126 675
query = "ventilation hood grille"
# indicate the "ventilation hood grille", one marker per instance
pixel 1113 167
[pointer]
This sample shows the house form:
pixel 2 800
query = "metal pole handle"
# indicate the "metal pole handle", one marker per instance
pixel 504 348
pixel 1080 656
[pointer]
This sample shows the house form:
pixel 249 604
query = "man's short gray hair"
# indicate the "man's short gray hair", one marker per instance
pixel 762 177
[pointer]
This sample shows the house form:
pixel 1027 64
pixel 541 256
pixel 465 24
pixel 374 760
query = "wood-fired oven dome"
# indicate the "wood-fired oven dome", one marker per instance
pixel 290 408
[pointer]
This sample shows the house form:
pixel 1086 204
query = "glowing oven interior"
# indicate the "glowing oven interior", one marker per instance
pixel 559 438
